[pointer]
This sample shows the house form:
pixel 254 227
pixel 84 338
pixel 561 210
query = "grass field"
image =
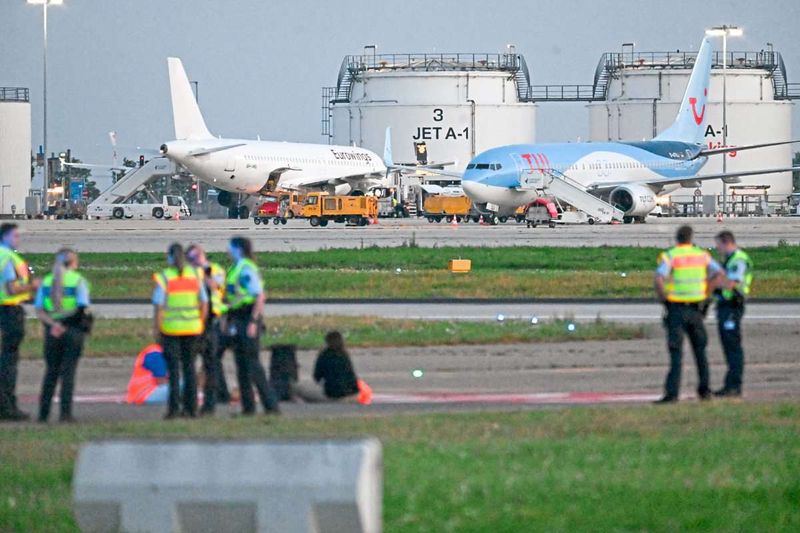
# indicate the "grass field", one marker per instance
pixel 125 337
pixel 508 272
pixel 720 467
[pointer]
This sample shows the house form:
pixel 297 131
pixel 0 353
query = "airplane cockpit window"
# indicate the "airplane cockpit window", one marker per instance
pixel 482 166
pixel 495 166
pixel 470 166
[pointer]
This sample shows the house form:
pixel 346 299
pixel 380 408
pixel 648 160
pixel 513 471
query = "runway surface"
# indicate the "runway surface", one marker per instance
pixel 579 311
pixel 155 235
pixel 480 377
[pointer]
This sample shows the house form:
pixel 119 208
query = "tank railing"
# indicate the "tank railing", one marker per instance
pixel 565 93
pixel 685 60
pixel 14 94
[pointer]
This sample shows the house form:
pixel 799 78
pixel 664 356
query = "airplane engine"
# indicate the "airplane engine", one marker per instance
pixel 634 200
pixel 224 198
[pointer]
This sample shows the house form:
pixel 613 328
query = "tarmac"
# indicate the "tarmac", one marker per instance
pixel 42 236
pixel 485 377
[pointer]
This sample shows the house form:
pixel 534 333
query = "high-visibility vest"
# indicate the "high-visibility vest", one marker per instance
pixel 236 295
pixel 69 299
pixel 217 296
pixel 181 315
pixel 23 277
pixel 143 382
pixel 744 286
pixel 688 278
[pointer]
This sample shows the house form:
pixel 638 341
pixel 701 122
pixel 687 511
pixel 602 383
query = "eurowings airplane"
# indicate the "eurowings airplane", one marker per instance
pixel 628 175
pixel 257 167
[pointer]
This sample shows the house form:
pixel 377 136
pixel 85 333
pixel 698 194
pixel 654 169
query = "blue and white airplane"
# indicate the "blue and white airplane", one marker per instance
pixel 627 175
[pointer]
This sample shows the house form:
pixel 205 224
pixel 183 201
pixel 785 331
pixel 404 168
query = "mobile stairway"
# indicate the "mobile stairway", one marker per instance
pixel 110 202
pixel 551 182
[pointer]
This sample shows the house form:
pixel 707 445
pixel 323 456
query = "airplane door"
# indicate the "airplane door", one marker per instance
pixel 230 165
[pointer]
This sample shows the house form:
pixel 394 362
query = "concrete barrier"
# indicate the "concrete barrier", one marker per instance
pixel 267 486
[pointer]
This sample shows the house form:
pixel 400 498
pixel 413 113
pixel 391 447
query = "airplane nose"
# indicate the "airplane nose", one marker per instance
pixel 473 189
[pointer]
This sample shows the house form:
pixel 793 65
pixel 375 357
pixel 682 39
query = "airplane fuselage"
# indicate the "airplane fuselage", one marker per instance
pixel 499 176
pixel 255 166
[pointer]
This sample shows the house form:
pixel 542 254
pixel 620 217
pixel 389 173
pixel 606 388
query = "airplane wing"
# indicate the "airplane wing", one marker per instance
pixel 90 165
pixel 318 181
pixel 694 181
pixel 715 151
pixel 422 168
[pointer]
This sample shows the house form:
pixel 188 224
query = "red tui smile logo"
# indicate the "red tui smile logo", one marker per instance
pixel 693 101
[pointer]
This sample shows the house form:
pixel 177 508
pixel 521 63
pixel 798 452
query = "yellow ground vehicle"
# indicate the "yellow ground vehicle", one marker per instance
pixel 291 203
pixel 437 207
pixel 320 208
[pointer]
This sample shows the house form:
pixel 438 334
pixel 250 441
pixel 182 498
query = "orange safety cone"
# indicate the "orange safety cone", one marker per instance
pixel 454 223
pixel 481 221
pixel 719 217
pixel 177 216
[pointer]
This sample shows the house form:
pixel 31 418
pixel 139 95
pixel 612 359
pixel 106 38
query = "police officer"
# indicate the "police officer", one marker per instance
pixel 214 279
pixel 731 297
pixel 180 306
pixel 16 287
pixel 682 283
pixel 61 304
pixel 244 296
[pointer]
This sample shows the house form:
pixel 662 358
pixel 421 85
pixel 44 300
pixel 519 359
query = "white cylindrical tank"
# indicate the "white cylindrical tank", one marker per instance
pixel 459 105
pixel 15 149
pixel 643 99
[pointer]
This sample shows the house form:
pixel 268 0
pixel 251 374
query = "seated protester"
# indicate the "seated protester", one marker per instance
pixel 334 377
pixel 149 383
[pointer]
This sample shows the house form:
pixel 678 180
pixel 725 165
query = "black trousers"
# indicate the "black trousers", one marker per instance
pixel 61 356
pixel 212 363
pixel 224 342
pixel 249 370
pixel 12 331
pixel 685 319
pixel 179 352
pixel 729 317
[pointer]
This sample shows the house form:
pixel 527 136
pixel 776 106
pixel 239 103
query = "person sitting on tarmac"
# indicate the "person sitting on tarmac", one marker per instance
pixel 334 377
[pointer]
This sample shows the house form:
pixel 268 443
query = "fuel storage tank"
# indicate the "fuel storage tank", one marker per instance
pixel 15 149
pixel 643 91
pixel 457 104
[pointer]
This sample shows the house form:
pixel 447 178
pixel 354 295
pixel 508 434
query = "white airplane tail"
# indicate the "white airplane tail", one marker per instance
pixel 189 123
pixel 689 125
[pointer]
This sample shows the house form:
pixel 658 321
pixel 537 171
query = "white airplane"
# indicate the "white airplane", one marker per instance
pixel 258 167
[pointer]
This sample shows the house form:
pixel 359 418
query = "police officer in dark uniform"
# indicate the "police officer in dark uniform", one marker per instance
pixel 731 297
pixel 214 279
pixel 244 296
pixel 16 287
pixel 682 284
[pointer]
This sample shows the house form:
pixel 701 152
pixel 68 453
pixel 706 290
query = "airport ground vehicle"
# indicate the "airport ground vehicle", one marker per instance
pixel 540 211
pixel 169 207
pixel 794 204
pixel 67 209
pixel 271 209
pixel 321 208
pixel 438 207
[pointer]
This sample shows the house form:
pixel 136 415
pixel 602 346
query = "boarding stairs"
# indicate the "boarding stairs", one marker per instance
pixel 135 180
pixel 554 183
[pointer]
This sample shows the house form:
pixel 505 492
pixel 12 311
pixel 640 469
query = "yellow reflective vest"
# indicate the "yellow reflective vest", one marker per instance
pixel 687 281
pixel 181 314
pixel 23 277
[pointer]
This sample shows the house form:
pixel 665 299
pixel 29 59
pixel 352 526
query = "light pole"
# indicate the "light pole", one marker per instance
pixel 46 172
pixel 724 31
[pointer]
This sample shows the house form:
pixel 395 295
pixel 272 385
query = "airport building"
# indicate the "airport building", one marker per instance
pixel 457 104
pixel 15 149
pixel 639 94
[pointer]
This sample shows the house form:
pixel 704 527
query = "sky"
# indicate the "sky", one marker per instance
pixel 261 64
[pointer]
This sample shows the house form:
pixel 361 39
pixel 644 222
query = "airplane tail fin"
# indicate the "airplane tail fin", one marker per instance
pixel 689 125
pixel 387 148
pixel 189 123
